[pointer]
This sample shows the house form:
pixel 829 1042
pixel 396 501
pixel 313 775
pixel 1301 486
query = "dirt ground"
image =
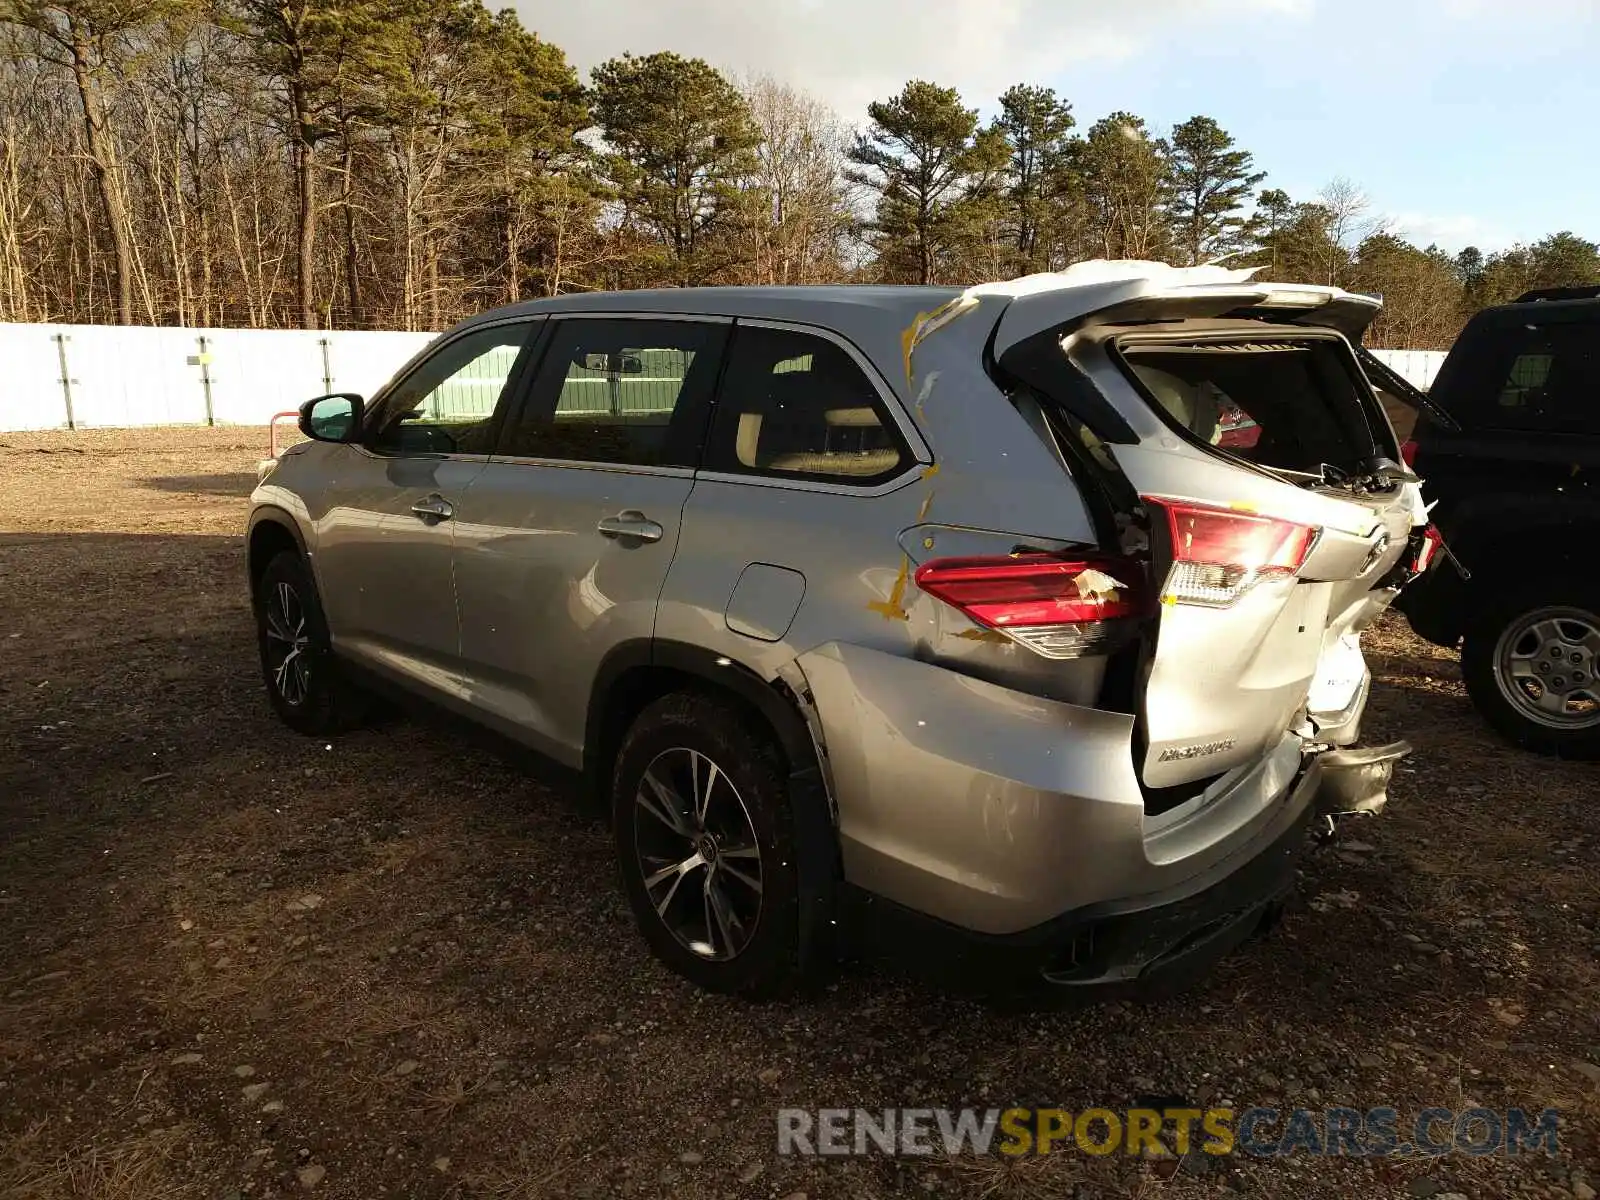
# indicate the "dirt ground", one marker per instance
pixel 235 962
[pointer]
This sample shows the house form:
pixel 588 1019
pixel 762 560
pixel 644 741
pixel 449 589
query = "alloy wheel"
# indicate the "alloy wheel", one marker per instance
pixel 1545 664
pixel 698 853
pixel 288 644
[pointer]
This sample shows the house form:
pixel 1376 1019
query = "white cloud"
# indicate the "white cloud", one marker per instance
pixel 848 52
pixel 1450 232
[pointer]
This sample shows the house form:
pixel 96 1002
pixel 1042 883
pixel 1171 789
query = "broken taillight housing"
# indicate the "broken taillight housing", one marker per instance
pixel 1056 606
pixel 1431 541
pixel 1219 554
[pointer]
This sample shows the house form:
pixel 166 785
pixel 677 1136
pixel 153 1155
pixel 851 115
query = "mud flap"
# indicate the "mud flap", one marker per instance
pixel 1356 780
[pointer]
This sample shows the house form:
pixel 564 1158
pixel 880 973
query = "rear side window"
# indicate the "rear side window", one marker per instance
pixel 1291 405
pixel 1546 377
pixel 795 405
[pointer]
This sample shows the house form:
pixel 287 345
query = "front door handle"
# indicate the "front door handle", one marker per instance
pixel 433 509
pixel 630 523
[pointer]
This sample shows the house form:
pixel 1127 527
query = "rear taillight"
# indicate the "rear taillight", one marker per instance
pixel 1060 607
pixel 1219 554
pixel 1408 453
pixel 1431 541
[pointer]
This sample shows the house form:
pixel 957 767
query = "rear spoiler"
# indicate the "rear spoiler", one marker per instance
pixel 1384 377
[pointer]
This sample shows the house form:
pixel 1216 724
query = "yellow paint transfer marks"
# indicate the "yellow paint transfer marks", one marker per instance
pixel 894 607
pixel 926 323
pixel 992 636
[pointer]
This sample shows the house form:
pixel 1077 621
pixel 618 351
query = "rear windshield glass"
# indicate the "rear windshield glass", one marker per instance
pixel 1290 405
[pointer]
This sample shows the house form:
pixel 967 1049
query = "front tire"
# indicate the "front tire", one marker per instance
pixel 711 855
pixel 1530 660
pixel 302 677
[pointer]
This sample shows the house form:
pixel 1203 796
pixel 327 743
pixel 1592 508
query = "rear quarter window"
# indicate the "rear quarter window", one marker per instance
pixel 1536 377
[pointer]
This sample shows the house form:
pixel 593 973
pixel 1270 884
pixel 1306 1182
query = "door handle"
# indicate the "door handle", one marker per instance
pixel 630 523
pixel 434 508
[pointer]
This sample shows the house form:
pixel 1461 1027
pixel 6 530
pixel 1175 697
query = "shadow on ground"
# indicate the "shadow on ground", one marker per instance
pixel 233 954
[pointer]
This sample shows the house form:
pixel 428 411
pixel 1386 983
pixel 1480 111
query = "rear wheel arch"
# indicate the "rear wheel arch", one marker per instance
pixel 1501 555
pixel 637 673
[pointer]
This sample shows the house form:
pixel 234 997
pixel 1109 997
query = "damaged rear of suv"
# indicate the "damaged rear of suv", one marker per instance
pixel 1250 518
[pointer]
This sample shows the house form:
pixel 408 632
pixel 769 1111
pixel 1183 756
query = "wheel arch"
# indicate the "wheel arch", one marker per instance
pixel 271 530
pixel 1501 551
pixel 635 673
pixel 638 672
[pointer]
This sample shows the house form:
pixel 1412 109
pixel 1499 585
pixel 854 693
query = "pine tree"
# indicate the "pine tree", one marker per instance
pixel 1125 188
pixel 681 143
pixel 1273 207
pixel 1037 128
pixel 935 175
pixel 1210 183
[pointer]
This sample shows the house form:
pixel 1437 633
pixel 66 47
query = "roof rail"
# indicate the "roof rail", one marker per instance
pixel 1588 292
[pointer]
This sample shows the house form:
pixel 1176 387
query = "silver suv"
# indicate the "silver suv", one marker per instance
pixel 1022 620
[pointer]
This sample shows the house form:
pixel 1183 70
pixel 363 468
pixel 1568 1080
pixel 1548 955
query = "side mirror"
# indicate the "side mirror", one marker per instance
pixel 630 364
pixel 335 418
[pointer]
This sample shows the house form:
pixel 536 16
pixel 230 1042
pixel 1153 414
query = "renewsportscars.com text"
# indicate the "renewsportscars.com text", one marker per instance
pixel 1261 1132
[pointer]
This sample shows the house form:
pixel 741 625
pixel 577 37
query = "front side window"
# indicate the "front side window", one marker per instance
pixel 627 391
pixel 796 405
pixel 447 404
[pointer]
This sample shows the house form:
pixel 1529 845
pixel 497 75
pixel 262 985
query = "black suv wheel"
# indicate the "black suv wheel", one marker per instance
pixel 710 855
pixel 1530 662
pixel 302 677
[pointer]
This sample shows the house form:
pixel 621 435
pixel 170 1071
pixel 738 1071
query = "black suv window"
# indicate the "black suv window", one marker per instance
pixel 796 405
pixel 447 405
pixel 1544 377
pixel 619 390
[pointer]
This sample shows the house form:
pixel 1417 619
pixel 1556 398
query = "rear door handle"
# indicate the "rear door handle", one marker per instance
pixel 630 523
pixel 433 509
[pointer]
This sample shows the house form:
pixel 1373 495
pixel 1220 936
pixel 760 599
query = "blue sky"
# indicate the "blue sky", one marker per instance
pixel 1464 121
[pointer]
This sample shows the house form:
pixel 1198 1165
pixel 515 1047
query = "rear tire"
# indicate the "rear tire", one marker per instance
pixel 1529 659
pixel 712 851
pixel 303 680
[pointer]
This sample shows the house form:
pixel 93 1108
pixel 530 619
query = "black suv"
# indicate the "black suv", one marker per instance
pixel 1508 444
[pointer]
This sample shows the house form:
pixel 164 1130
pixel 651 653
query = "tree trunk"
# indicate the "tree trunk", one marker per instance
pixel 306 217
pixel 352 267
pixel 102 157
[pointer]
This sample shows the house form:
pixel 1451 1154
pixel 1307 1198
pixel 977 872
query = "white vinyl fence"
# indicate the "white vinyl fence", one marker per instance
pixel 1416 367
pixel 86 376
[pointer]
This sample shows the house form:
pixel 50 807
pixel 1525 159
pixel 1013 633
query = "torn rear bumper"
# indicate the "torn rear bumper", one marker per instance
pixel 1163 940
pixel 1356 780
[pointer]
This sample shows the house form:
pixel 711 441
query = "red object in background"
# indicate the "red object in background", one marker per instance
pixel 1408 453
pixel 1242 437
pixel 272 430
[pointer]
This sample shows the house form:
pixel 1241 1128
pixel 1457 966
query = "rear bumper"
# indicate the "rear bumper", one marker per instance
pixel 1012 816
pixel 1167 939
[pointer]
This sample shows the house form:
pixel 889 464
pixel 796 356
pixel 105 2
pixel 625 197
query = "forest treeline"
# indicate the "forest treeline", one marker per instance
pixel 402 163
